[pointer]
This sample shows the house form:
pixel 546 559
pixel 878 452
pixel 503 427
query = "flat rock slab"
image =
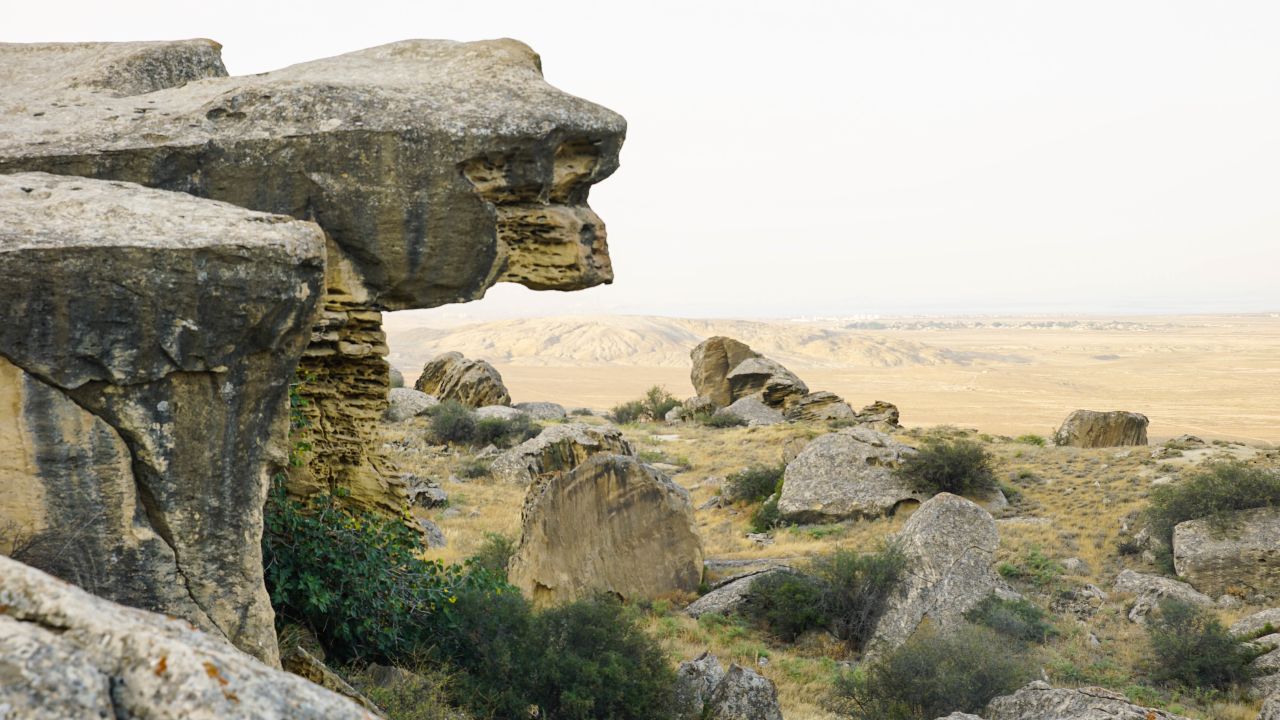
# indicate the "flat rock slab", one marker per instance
pixel 1040 701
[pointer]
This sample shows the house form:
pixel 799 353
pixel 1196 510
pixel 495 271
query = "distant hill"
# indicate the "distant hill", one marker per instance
pixel 643 341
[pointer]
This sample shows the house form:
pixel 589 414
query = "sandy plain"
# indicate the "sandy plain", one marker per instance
pixel 1216 376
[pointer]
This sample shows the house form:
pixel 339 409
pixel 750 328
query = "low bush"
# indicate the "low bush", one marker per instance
pixel 787 604
pixel 658 402
pixel 1191 647
pixel 1035 567
pixel 452 422
pixel 472 469
pixel 1036 440
pixel 933 675
pixel 1019 619
pixel 505 432
pixel 418 694
pixel 766 517
pixel 628 412
pixel 581 412
pixel 724 420
pixel 1214 491
pixel 494 554
pixel 754 484
pixel 959 466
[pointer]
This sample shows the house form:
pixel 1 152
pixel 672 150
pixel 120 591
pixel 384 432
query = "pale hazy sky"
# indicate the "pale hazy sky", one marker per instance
pixel 864 157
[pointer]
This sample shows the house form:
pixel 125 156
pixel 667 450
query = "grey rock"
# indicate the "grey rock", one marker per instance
pixel 474 383
pixel 558 449
pixel 1253 624
pixel 543 410
pixel 1075 566
pixel 743 694
pixel 501 412
pixel 1040 701
pixel 960 716
pixel 434 535
pixel 1151 589
pixel 753 411
pixel 695 681
pixel 405 403
pixel 847 474
pixel 819 407
pixel 68 654
pixel 950 546
pixel 773 383
pixel 147 350
pixel 730 596
pixel 1093 429
pixel 1240 550
pixel 1271 708
pixel 426 494
pixel 880 415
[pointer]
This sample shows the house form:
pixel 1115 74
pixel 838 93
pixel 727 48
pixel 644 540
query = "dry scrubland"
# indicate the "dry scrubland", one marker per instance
pixel 1066 502
pixel 1214 376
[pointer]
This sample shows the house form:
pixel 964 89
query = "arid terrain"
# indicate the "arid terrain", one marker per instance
pixel 1217 376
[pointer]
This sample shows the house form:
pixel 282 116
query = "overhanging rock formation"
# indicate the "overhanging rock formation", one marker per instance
pixel 434 169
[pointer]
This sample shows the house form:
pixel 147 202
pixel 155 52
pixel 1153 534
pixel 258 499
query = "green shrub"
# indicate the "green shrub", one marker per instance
pixel 1214 491
pixel 472 469
pixel 1191 647
pixel 766 517
pixel 725 420
pixel 933 675
pixel 418 694
pixel 754 484
pixel 581 412
pixel 960 466
pixel 658 402
pixel 494 646
pixel 1019 619
pixel 787 604
pixel 1036 440
pixel 1035 567
pixel 495 554
pixel 452 422
pixel 505 432
pixel 628 412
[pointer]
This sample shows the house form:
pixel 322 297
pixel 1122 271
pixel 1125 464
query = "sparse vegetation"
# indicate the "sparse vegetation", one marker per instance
pixel 957 466
pixel 627 412
pixel 721 421
pixel 1213 491
pixel 766 517
pixel 933 675
pixel 1191 647
pixel 505 432
pixel 472 469
pixel 754 484
pixel 452 422
pixel 1035 567
pixel 495 554
pixel 1036 440
pixel 655 405
pixel 1019 619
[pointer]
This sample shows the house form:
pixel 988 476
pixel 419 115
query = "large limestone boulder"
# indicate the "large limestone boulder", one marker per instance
pixel 1240 552
pixel 149 342
pixel 1093 429
pixel 404 403
pixel 436 169
pixel 706 691
pixel 1149 590
pixel 950 546
pixel 713 359
pixel 879 415
pixel 67 654
pixel 613 525
pixel 819 407
pixel 558 449
pixel 766 379
pixel 1040 701
pixel 846 474
pixel 543 410
pixel 474 383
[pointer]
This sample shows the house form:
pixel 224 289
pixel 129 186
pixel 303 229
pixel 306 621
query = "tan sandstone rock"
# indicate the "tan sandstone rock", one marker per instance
pixel 1093 429
pixel 818 407
pixel 613 525
pixel 474 383
pixel 67 654
pixel 1240 551
pixel 713 359
pixel 145 359
pixel 558 449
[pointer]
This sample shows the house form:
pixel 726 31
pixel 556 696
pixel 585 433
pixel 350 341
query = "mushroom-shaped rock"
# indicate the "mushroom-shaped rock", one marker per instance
pixel 843 475
pixel 950 545
pixel 1040 701
pixel 818 407
pixel 149 341
pixel 615 525
pixel 1151 589
pixel 474 383
pixel 69 654
pixel 1093 429
pixel 558 449
pixel 1240 550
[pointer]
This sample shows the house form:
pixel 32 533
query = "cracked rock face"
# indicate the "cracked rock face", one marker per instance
pixel 65 653
pixel 146 356
pixel 474 383
pixel 1039 701
pixel 846 474
pixel 558 449
pixel 1093 429
pixel 1237 552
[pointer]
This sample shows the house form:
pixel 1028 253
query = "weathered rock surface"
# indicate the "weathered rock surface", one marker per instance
pixel 1251 625
pixel 1151 589
pixel 498 412
pixel 819 407
pixel 1241 550
pixel 300 662
pixel 1093 429
pixel 729 596
pixel 614 525
pixel 474 383
pixel 543 410
pixel 558 449
pixel 705 691
pixel 760 376
pixel 404 403
pixel 436 169
pixel 713 359
pixel 950 545
pixel 879 415
pixel 1040 701
pixel 843 475
pixel 1270 709
pixel 68 654
pixel 149 342
pixel 753 411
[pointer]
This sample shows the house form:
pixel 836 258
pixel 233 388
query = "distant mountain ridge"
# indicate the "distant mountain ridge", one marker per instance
pixel 646 341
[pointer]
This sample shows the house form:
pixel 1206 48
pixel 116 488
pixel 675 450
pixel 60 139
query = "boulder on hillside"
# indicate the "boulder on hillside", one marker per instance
pixel 766 379
pixel 1093 429
pixel 557 449
pixel 1241 550
pixel 753 411
pixel 729 596
pixel 950 545
pixel 705 691
pixel 713 359
pixel 499 412
pixel 845 474
pixel 1151 589
pixel 145 359
pixel 474 383
pixel 1252 625
pixel 69 654
pixel 404 403
pixel 879 415
pixel 543 410
pixel 1041 701
pixel 819 407
pixel 614 525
